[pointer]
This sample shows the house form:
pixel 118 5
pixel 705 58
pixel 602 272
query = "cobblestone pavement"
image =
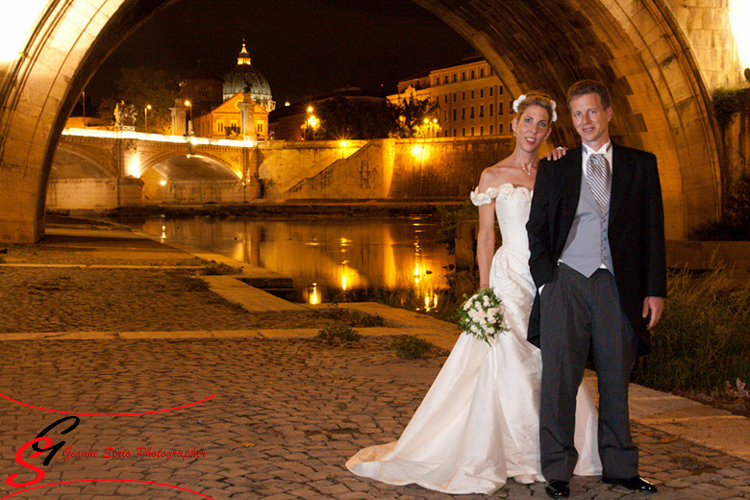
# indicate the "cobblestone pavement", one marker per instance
pixel 72 299
pixel 286 415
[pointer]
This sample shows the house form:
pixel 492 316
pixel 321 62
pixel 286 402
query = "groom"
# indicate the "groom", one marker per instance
pixel 596 235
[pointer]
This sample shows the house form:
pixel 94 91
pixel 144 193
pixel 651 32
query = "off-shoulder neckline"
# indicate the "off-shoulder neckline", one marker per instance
pixel 506 184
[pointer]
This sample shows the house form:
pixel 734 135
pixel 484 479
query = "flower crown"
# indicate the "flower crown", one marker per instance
pixel 522 97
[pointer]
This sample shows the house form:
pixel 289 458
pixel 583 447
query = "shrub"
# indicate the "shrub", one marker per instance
pixel 411 347
pixel 735 223
pixel 703 338
pixel 214 268
pixel 726 102
pixel 342 334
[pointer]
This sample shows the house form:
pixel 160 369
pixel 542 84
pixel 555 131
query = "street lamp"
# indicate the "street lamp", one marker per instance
pixel 145 112
pixel 311 123
pixel 189 106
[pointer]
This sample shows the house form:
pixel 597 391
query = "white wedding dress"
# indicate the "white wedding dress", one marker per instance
pixel 479 423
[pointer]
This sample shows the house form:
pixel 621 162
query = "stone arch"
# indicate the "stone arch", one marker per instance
pixel 101 159
pixel 635 46
pixel 163 156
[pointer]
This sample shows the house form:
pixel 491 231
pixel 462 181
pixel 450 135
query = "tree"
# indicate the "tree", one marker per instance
pixel 356 118
pixel 142 86
pixel 412 114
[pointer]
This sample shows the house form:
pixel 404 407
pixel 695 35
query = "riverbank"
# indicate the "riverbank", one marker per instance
pixel 287 209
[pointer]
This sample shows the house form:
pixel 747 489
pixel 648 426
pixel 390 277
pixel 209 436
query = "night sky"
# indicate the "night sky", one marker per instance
pixel 305 48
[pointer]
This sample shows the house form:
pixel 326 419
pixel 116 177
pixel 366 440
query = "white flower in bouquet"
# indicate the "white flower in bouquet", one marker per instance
pixel 481 315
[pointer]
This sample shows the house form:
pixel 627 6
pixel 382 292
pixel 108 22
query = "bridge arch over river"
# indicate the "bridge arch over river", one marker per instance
pixel 661 58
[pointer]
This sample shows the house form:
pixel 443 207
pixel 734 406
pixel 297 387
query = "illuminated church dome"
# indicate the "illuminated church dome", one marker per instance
pixel 245 78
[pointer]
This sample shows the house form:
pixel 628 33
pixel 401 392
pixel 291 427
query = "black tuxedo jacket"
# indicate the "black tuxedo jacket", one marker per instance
pixel 636 229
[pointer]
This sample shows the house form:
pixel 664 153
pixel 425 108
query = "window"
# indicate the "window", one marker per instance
pixel 454 97
pixel 260 127
pixel 492 89
pixel 454 132
pixel 481 130
pixel 491 126
pixel 445 115
pixel 220 126
pixel 454 114
pixel 500 90
pixel 445 133
pixel 445 79
pixel 472 131
pixel 454 77
pixel 463 76
pixel 463 113
pixel 499 108
pixel 472 74
pixel 481 111
pixel 481 72
pixel 471 113
pixel 463 96
pixel 481 92
pixel 472 94
pixel 463 132
pixel 500 129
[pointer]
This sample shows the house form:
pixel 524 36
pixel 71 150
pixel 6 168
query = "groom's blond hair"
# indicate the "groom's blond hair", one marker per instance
pixel 584 87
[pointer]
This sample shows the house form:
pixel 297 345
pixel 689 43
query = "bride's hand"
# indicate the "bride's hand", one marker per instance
pixel 557 153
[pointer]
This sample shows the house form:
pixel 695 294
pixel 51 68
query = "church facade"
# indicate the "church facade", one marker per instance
pixel 247 101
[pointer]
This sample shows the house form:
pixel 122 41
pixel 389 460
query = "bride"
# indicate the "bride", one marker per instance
pixel 479 423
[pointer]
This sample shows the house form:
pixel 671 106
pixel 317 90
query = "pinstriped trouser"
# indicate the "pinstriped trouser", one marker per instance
pixel 578 314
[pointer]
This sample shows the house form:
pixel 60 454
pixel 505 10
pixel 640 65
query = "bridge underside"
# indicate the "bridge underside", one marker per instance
pixel 636 47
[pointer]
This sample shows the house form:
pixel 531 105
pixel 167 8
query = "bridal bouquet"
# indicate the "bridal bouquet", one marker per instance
pixel 482 315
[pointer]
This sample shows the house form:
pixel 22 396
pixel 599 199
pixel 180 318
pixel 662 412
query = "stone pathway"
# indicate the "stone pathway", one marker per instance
pixel 285 416
pixel 285 410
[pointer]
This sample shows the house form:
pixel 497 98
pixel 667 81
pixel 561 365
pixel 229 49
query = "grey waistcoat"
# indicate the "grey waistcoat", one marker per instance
pixel 587 246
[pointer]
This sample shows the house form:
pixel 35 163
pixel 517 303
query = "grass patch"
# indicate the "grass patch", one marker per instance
pixel 339 334
pixel 214 268
pixel 190 283
pixel 703 338
pixel 411 347
pixel 352 317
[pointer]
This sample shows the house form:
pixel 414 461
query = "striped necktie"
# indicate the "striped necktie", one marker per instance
pixel 599 179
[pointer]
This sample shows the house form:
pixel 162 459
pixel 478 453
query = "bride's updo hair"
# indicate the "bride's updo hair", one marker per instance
pixel 535 98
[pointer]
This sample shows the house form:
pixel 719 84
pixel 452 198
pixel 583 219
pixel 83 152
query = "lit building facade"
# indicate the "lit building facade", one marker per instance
pixel 247 100
pixel 226 121
pixel 472 100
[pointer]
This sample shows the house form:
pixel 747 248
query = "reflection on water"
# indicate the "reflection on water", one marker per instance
pixel 326 258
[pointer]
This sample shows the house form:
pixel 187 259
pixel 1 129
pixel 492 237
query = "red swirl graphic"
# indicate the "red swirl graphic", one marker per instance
pixel 105 414
pixel 120 480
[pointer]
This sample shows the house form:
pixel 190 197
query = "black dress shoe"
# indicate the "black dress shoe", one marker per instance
pixel 635 483
pixel 557 489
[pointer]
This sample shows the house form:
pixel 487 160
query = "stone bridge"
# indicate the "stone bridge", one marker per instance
pixel 661 58
pixel 101 169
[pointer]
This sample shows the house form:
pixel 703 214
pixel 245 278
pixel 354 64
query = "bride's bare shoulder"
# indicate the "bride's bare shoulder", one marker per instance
pixel 494 176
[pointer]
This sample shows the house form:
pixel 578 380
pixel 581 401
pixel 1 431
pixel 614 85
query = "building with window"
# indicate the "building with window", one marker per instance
pixel 247 101
pixel 225 122
pixel 471 99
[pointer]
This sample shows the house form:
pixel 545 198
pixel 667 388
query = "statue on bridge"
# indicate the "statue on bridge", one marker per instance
pixel 125 115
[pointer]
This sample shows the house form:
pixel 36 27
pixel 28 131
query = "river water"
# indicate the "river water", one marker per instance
pixel 326 257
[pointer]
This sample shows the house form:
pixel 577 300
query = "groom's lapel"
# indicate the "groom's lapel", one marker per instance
pixel 571 186
pixel 622 174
